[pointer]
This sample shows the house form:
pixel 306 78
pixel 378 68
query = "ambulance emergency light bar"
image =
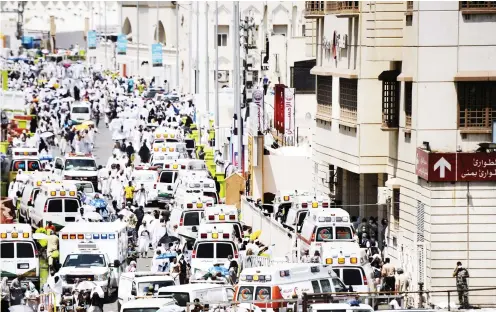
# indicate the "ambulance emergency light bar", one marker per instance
pixel 164 149
pixel 174 166
pixel 147 167
pixel 38 183
pixel 88 236
pixel 61 193
pixel 26 153
pixel 222 216
pixel 332 218
pixel 341 258
pixel 315 205
pixel 79 154
pixel 215 234
pixel 14 233
pixel 165 135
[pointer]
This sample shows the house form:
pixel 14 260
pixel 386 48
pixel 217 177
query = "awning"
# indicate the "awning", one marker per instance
pixel 475 76
pixel 389 75
pixel 335 72
pixel 404 77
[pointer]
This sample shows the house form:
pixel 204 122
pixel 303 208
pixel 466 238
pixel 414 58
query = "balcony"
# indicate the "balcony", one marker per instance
pixel 478 7
pixel 315 9
pixel 348 116
pixel 324 112
pixel 343 8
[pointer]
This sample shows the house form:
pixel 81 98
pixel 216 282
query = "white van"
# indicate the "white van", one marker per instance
pixel 147 305
pixel 80 111
pixel 325 225
pixel 30 192
pixel 188 220
pixel 214 244
pixel 205 292
pixel 166 182
pixel 56 203
pixel 19 253
pixel 148 177
pixel 194 182
pixel 136 284
pixel 285 280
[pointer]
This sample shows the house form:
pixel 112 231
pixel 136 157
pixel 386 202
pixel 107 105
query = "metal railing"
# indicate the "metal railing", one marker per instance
pixel 324 111
pixel 341 7
pixel 478 5
pixel 304 301
pixel 315 7
pixel 348 115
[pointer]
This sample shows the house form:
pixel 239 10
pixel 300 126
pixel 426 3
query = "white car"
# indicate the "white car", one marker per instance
pixel 80 112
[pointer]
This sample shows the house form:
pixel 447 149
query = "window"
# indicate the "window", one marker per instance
pixel 25 250
pixel 303 30
pixel 81 110
pixel 324 234
pixel 223 250
pixel 18 165
pixel 33 165
pixel 409 20
pixel 71 205
pixel 338 285
pixel 80 164
pixel 352 276
pixel 191 218
pixel 54 205
pixel 408 104
pixel 301 79
pixel 182 298
pixel 7 250
pixel 390 104
pixel 343 232
pixel 396 208
pixel 332 178
pixel 144 286
pixel 326 286
pixel 348 99
pixel 222 40
pixel 477 104
pixel 205 251
pixel 245 293
pixel 166 177
pixel 316 287
pixel 263 293
pixel 324 97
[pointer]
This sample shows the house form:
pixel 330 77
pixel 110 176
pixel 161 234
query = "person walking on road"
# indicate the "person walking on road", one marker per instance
pixel 461 275
pixel 388 272
pixel 5 294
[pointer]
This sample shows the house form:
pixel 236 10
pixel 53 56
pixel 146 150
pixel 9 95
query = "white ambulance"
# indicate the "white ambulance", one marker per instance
pixel 31 190
pixel 77 166
pixel 284 281
pixel 93 251
pixel 194 181
pixel 225 214
pixel 325 225
pixel 22 158
pixel 19 255
pixel 298 211
pixel 160 159
pixel 147 176
pixel 189 214
pixel 351 265
pixel 166 182
pixel 133 285
pixel 214 244
pixel 56 203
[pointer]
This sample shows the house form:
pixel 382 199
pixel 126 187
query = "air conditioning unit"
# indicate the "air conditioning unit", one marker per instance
pixel 223 76
pixel 383 195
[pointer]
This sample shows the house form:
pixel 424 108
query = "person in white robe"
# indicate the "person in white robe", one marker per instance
pixel 158 232
pixel 141 196
pixel 156 263
pixel 116 190
pixel 144 239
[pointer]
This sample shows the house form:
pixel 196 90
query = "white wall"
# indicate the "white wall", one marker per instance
pixel 277 175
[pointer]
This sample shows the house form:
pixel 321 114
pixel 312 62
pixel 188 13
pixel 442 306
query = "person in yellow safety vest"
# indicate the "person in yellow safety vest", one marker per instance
pixel 52 247
pixel 43 242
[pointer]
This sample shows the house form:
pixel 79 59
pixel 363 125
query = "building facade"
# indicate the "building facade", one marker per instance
pixel 405 94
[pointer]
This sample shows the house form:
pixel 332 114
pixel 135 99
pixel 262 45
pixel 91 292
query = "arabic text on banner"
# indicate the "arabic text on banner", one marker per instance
pixel 91 39
pixel 156 55
pixel 289 106
pixel 121 44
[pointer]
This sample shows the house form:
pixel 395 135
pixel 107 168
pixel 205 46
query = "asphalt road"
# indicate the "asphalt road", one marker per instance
pixel 102 151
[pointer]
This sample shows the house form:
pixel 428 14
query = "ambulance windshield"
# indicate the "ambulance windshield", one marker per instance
pixel 85 260
pixel 80 164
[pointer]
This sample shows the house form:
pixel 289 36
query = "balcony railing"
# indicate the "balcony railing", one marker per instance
pixel 477 7
pixel 314 8
pixel 348 115
pixel 324 112
pixel 343 7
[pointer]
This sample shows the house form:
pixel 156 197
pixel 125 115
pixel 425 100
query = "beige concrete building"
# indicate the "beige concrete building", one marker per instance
pixel 405 94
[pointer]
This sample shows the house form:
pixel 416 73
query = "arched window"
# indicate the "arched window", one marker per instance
pixel 160 35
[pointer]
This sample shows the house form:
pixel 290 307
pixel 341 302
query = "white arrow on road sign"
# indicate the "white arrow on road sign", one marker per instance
pixel 442 164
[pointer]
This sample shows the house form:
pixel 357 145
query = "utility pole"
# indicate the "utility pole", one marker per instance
pixel 197 73
pixel 105 21
pixel 190 45
pixel 177 45
pixel 216 77
pixel 138 39
pixel 207 69
pixel 237 98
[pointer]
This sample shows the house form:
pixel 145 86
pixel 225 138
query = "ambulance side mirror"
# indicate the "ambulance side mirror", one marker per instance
pixel 18 194
pixel 133 292
pixel 350 288
pixel 116 263
pixel 194 229
pixel 169 187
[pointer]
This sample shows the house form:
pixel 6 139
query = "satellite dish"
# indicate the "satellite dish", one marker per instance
pixel 308 116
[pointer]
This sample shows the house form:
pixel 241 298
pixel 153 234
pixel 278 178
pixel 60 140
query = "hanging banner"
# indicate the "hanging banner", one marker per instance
pixel 156 55
pixel 91 39
pixel 121 44
pixel 279 107
pixel 258 100
pixel 289 107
